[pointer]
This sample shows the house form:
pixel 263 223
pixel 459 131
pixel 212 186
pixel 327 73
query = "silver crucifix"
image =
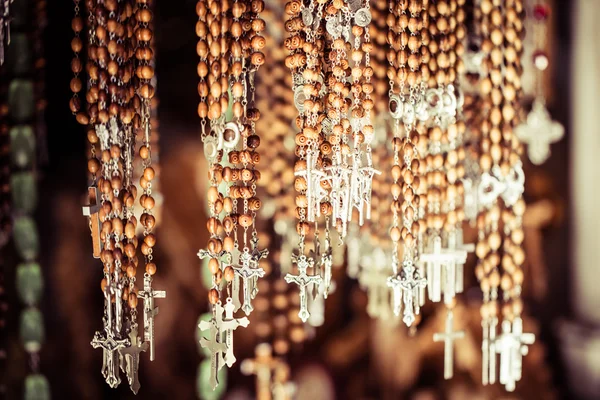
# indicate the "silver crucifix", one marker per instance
pixel 248 271
pixel 110 355
pixel 303 281
pixel 408 283
pixel 148 295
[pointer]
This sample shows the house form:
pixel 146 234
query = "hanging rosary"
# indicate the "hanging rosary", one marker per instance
pixel 118 106
pixel 229 48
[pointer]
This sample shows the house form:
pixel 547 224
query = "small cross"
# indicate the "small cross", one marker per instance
pixel 539 132
pixel 148 295
pixel 132 358
pixel 409 284
pixel 216 348
pixel 91 210
pixel 448 337
pixel 303 281
pixel 228 325
pixel 248 271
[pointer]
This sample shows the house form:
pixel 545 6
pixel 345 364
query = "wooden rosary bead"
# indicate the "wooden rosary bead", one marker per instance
pixel 245 220
pixel 213 265
pixel 213 296
pixel 228 244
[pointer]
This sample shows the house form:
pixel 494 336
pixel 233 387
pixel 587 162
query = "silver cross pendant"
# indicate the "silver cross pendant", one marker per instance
pixel 303 281
pixel 539 131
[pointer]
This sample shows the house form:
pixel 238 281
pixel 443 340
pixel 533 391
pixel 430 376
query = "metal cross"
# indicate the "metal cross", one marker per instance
pixel 132 358
pixel 313 178
pixel 448 337
pixel 235 284
pixel 148 295
pixel 408 284
pixel 441 267
pixel 248 271
pixel 228 325
pixel 303 280
pixel 455 243
pixel 512 346
pixel 216 348
pixel 91 210
pixel 520 351
pixel 110 358
pixel 539 132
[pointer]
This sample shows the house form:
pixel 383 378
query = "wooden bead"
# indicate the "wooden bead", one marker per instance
pixel 229 273
pixel 213 265
pixel 133 300
pixel 151 268
pixel 245 220
pixel 213 296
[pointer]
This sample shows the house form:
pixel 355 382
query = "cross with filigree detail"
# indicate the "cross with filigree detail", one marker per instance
pixel 539 132
pixel 248 271
pixel 303 281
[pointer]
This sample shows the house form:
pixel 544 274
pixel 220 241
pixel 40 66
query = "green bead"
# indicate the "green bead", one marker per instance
pixel 22 146
pixel 206 276
pixel 36 388
pixel 20 100
pixel 26 238
pixel 30 283
pixel 204 389
pixel 202 334
pixel 18 59
pixel 24 192
pixel 32 329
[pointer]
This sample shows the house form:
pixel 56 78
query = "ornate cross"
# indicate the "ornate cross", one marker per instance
pixel 216 348
pixel 110 356
pixel 248 271
pixel 539 132
pixel 409 284
pixel 448 337
pixel 132 358
pixel 228 325
pixel 91 210
pixel 303 280
pixel 148 295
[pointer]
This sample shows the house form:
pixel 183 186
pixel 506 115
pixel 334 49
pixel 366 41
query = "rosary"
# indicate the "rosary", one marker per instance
pixel 399 98
pixel 229 47
pixel 118 105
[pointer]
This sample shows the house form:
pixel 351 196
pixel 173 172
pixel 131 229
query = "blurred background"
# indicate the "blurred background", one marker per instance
pixel 350 356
